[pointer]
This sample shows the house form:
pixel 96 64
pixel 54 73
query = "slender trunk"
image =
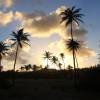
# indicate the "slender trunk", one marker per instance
pixel 64 64
pixel 71 31
pixel 77 71
pixel 13 80
pixel 47 63
pixel 75 81
pixel 74 77
pixel 76 60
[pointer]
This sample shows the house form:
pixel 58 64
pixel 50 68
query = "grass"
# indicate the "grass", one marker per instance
pixel 46 89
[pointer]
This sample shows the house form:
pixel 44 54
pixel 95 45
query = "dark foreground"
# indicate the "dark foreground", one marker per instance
pixel 47 89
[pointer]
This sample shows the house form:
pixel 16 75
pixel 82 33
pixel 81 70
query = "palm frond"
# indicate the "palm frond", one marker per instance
pixel 73 45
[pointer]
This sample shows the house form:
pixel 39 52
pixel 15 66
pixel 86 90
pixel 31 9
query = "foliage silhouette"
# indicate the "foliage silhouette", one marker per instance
pixel 70 16
pixel 63 57
pixel 19 39
pixel 3 51
pixel 54 60
pixel 47 55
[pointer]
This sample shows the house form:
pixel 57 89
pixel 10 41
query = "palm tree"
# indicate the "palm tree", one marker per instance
pixel 34 67
pixel 70 67
pixel 71 15
pixel 73 46
pixel 22 68
pixel 3 52
pixel 59 65
pixel 19 39
pixel 47 56
pixel 54 60
pixel 62 57
pixel 28 67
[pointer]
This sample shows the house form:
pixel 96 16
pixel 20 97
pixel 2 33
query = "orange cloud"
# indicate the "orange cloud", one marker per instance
pixel 6 18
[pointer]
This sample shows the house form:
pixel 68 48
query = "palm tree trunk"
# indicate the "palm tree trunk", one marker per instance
pixel 76 60
pixel 13 80
pixel 47 63
pixel 77 71
pixel 63 63
pixel 71 31
pixel 75 81
pixel 74 76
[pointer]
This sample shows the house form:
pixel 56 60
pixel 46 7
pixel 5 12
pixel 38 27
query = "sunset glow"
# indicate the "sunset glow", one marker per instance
pixel 41 20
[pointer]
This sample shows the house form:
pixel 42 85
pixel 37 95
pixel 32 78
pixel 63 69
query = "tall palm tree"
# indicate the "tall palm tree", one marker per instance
pixel 74 46
pixel 3 52
pixel 54 60
pixel 62 57
pixel 71 15
pixel 47 55
pixel 19 39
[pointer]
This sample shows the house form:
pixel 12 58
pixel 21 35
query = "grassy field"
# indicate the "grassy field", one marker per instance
pixel 46 89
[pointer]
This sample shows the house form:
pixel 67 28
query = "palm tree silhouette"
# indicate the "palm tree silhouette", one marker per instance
pixel 70 67
pixel 34 67
pixel 3 52
pixel 59 65
pixel 22 68
pixel 28 67
pixel 74 46
pixel 54 60
pixel 71 15
pixel 47 55
pixel 19 39
pixel 62 57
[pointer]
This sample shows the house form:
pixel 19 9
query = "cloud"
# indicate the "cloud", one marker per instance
pixel 23 53
pixel 6 3
pixel 39 24
pixel 84 54
pixel 60 46
pixel 6 18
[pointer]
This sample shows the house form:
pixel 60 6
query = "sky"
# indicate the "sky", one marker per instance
pixel 40 18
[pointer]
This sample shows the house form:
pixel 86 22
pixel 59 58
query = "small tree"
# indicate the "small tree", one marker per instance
pixel 3 52
pixel 47 55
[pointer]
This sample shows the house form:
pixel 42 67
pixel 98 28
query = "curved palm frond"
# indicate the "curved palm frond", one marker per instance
pixel 73 45
pixel 3 51
pixel 20 38
pixel 47 55
pixel 3 48
pixel 54 59
pixel 62 55
pixel 71 15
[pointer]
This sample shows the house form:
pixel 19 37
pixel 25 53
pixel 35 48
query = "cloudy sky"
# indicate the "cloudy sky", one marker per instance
pixel 40 19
